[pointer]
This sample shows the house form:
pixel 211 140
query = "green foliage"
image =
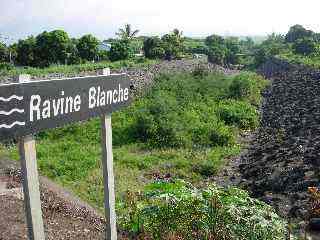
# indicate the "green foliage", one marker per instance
pixel 200 71
pixel 26 52
pixel 240 114
pixel 184 127
pixel 177 210
pixel 172 44
pixel 51 48
pixel 127 33
pixel 120 50
pixel 3 52
pixel 304 46
pixel 247 86
pixel 87 47
pixel 216 55
pixel 152 47
pixel 4 66
pixel 297 32
pixel 272 46
pixel 222 51
pixel 232 50
pixel 71 70
pixel 195 46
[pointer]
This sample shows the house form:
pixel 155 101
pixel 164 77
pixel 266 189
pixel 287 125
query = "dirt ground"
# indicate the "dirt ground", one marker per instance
pixel 65 216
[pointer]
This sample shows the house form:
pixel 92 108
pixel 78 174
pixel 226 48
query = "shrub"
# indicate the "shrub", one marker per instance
pixel 6 66
pixel 237 113
pixel 177 210
pixel 200 71
pixel 247 86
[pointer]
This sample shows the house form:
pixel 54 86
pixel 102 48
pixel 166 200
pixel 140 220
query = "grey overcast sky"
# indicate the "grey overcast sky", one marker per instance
pixel 20 18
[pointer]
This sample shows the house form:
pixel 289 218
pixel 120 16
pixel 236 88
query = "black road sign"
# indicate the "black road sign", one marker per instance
pixel 27 108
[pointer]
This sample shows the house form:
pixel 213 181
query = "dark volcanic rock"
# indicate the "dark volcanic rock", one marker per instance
pixel 285 154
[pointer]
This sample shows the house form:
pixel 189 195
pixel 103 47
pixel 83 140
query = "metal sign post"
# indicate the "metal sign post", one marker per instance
pixel 28 107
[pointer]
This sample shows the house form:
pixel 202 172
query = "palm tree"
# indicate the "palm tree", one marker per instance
pixel 127 33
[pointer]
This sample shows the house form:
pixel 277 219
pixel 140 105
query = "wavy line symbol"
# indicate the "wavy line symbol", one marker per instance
pixel 10 98
pixel 12 111
pixel 12 124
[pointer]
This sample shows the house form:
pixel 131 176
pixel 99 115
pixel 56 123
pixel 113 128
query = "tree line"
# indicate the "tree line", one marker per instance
pixel 57 47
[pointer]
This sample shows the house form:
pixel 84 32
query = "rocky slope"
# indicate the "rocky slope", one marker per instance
pixel 284 157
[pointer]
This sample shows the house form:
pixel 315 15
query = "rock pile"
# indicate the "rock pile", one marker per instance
pixel 284 157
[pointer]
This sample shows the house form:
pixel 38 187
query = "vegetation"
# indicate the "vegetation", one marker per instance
pixel 127 33
pixel 177 210
pixel 120 50
pixel 7 69
pixel 223 51
pixel 169 47
pixel 185 127
pixel 87 46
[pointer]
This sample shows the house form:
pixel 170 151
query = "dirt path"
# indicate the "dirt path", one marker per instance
pixel 65 216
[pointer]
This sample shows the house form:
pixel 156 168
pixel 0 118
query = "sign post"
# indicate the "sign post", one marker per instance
pixel 29 107
pixel 108 176
pixel 28 159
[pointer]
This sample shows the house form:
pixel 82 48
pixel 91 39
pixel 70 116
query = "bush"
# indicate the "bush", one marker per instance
pixel 120 50
pixel 240 114
pixel 247 86
pixel 191 110
pixel 177 210
pixel 200 71
pixel 6 66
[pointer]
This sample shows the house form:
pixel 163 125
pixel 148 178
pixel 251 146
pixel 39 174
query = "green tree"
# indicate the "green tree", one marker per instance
pixel 73 53
pixel 274 45
pixel 214 40
pixel 127 33
pixel 232 50
pixel 216 49
pixel 173 45
pixel 88 47
pixel 152 47
pixel 297 32
pixel 216 55
pixel 3 52
pixel 26 51
pixel 120 50
pixel 305 46
pixel 52 48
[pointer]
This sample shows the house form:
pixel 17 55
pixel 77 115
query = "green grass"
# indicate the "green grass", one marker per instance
pixel 185 127
pixel 75 69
